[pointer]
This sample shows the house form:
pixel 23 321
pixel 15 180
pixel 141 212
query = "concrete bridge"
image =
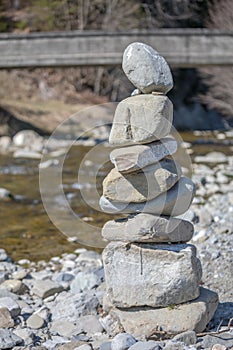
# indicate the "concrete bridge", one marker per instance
pixel 181 47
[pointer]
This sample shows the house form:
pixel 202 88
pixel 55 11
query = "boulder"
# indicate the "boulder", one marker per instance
pixel 141 119
pixel 167 274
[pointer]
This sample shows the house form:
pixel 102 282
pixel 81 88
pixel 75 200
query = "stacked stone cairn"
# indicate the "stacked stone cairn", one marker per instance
pixel 152 274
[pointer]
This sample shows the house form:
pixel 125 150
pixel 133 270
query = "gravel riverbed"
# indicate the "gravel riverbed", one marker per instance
pixel 58 304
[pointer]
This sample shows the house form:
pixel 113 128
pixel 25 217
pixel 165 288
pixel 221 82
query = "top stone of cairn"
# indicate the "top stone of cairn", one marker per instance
pixel 146 69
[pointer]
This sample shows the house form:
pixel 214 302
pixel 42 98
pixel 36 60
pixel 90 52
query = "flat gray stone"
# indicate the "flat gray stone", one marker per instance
pixel 14 286
pixel 148 228
pixel 74 306
pixel 188 337
pixel 122 341
pixel 6 320
pixel 84 347
pixel 212 157
pixel 35 321
pixel 3 193
pixel 3 275
pixel 224 339
pixel 146 69
pixel 194 315
pixel 172 203
pixel 141 185
pixel 177 345
pixel 8 339
pixel 45 289
pixel 90 324
pixel 167 274
pixel 11 305
pixel 27 336
pixel 84 281
pixel 128 159
pixel 64 328
pixel 105 346
pixel 147 345
pixel 71 345
pixel 111 325
pixel 141 119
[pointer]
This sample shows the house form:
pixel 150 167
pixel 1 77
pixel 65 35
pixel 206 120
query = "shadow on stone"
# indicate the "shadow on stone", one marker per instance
pixel 223 314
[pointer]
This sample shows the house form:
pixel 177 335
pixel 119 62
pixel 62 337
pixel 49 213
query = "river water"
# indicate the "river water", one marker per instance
pixel 26 229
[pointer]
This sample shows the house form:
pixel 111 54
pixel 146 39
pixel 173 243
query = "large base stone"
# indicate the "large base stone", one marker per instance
pixel 172 203
pixel 194 315
pixel 141 185
pixel 141 119
pixel 128 159
pixel 153 275
pixel 148 228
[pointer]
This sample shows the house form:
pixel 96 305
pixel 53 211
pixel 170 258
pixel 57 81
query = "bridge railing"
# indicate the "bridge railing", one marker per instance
pixel 181 47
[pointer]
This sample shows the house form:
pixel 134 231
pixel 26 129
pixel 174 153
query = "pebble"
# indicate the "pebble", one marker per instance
pixel 5 142
pixel 45 289
pixel 188 338
pixel 149 345
pixel 90 324
pixel 223 339
pixel 29 139
pixel 20 274
pixel 27 154
pixel 6 320
pixel 26 334
pixel 219 347
pixel 35 321
pixel 3 277
pixel 84 347
pixel 106 346
pixel 64 277
pixel 3 254
pixel 14 286
pixel 24 262
pixel 5 195
pixel 84 281
pixel 8 339
pixel 122 341
pixel 64 328
pixel 11 305
pixel 212 157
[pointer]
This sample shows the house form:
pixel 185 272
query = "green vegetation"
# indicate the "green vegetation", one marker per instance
pixel 56 15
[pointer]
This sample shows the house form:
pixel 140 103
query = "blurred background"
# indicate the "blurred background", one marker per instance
pixel 202 97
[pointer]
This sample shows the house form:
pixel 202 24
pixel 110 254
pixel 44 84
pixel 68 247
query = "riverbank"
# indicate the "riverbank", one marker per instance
pixel 57 304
